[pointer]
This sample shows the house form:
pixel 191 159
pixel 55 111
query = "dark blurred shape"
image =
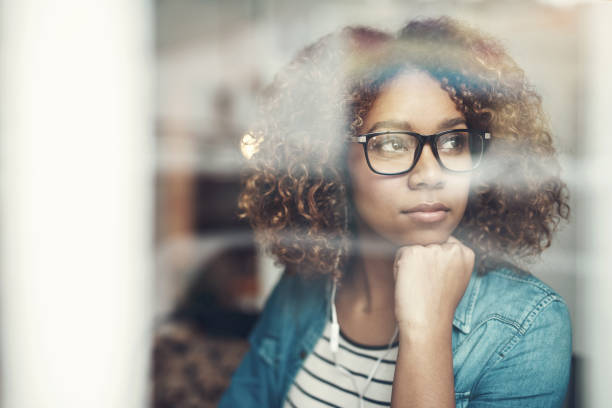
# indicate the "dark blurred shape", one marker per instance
pixel 214 301
pixel 574 398
pixel 192 369
pixel 216 205
pixel 199 347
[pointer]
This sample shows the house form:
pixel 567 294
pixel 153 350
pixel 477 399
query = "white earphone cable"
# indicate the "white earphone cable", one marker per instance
pixel 334 346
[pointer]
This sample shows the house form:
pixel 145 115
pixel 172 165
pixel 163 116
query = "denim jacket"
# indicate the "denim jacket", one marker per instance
pixel 511 342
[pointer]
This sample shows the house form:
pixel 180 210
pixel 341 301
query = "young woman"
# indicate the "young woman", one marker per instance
pixel 397 178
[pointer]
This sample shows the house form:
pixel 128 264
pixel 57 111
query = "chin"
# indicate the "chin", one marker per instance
pixel 424 238
pixel 394 237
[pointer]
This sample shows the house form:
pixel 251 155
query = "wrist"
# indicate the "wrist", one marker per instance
pixel 425 333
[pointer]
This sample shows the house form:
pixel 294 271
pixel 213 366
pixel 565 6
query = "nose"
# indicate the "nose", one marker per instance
pixel 426 173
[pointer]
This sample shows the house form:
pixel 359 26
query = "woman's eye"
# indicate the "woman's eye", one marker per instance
pixel 453 142
pixel 391 145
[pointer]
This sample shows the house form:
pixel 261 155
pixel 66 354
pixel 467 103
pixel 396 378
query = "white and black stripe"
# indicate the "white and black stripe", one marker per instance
pixel 320 384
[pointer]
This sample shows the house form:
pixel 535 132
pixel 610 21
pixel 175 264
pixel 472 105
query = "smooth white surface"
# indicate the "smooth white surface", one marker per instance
pixel 76 202
pixel 594 289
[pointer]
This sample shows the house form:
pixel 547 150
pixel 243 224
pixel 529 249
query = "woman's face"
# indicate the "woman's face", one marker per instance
pixel 389 205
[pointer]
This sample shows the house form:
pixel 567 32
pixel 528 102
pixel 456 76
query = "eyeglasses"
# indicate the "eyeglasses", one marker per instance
pixel 397 152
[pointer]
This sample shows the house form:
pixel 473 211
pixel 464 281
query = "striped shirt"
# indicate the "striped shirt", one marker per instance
pixel 320 384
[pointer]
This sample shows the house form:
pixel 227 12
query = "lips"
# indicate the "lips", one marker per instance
pixel 426 207
pixel 427 212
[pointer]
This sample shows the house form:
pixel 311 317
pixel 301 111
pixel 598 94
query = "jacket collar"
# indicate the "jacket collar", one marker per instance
pixel 463 313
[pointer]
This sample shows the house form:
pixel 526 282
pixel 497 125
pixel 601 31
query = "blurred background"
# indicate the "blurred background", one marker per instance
pixel 127 278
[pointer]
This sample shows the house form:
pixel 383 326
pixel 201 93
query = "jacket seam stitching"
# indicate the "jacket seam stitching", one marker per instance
pixel 531 282
pixel 498 356
pixel 513 323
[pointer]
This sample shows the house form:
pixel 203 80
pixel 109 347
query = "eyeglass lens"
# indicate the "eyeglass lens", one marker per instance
pixel 395 152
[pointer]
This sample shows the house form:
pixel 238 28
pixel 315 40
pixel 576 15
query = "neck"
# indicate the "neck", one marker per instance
pixel 370 283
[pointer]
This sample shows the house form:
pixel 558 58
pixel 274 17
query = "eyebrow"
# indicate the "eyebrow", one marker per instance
pixel 404 125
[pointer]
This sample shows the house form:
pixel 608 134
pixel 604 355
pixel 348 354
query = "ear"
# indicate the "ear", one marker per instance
pixel 485 116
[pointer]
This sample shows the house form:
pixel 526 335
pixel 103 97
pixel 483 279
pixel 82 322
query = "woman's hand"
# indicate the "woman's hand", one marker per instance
pixel 429 283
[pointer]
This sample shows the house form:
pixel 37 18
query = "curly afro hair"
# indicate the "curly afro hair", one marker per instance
pixel 296 192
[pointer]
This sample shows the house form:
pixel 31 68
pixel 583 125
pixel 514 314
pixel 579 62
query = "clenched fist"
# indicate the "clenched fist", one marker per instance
pixel 429 283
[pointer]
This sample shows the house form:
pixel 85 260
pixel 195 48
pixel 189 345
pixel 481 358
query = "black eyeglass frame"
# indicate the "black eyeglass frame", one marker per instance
pixel 423 139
